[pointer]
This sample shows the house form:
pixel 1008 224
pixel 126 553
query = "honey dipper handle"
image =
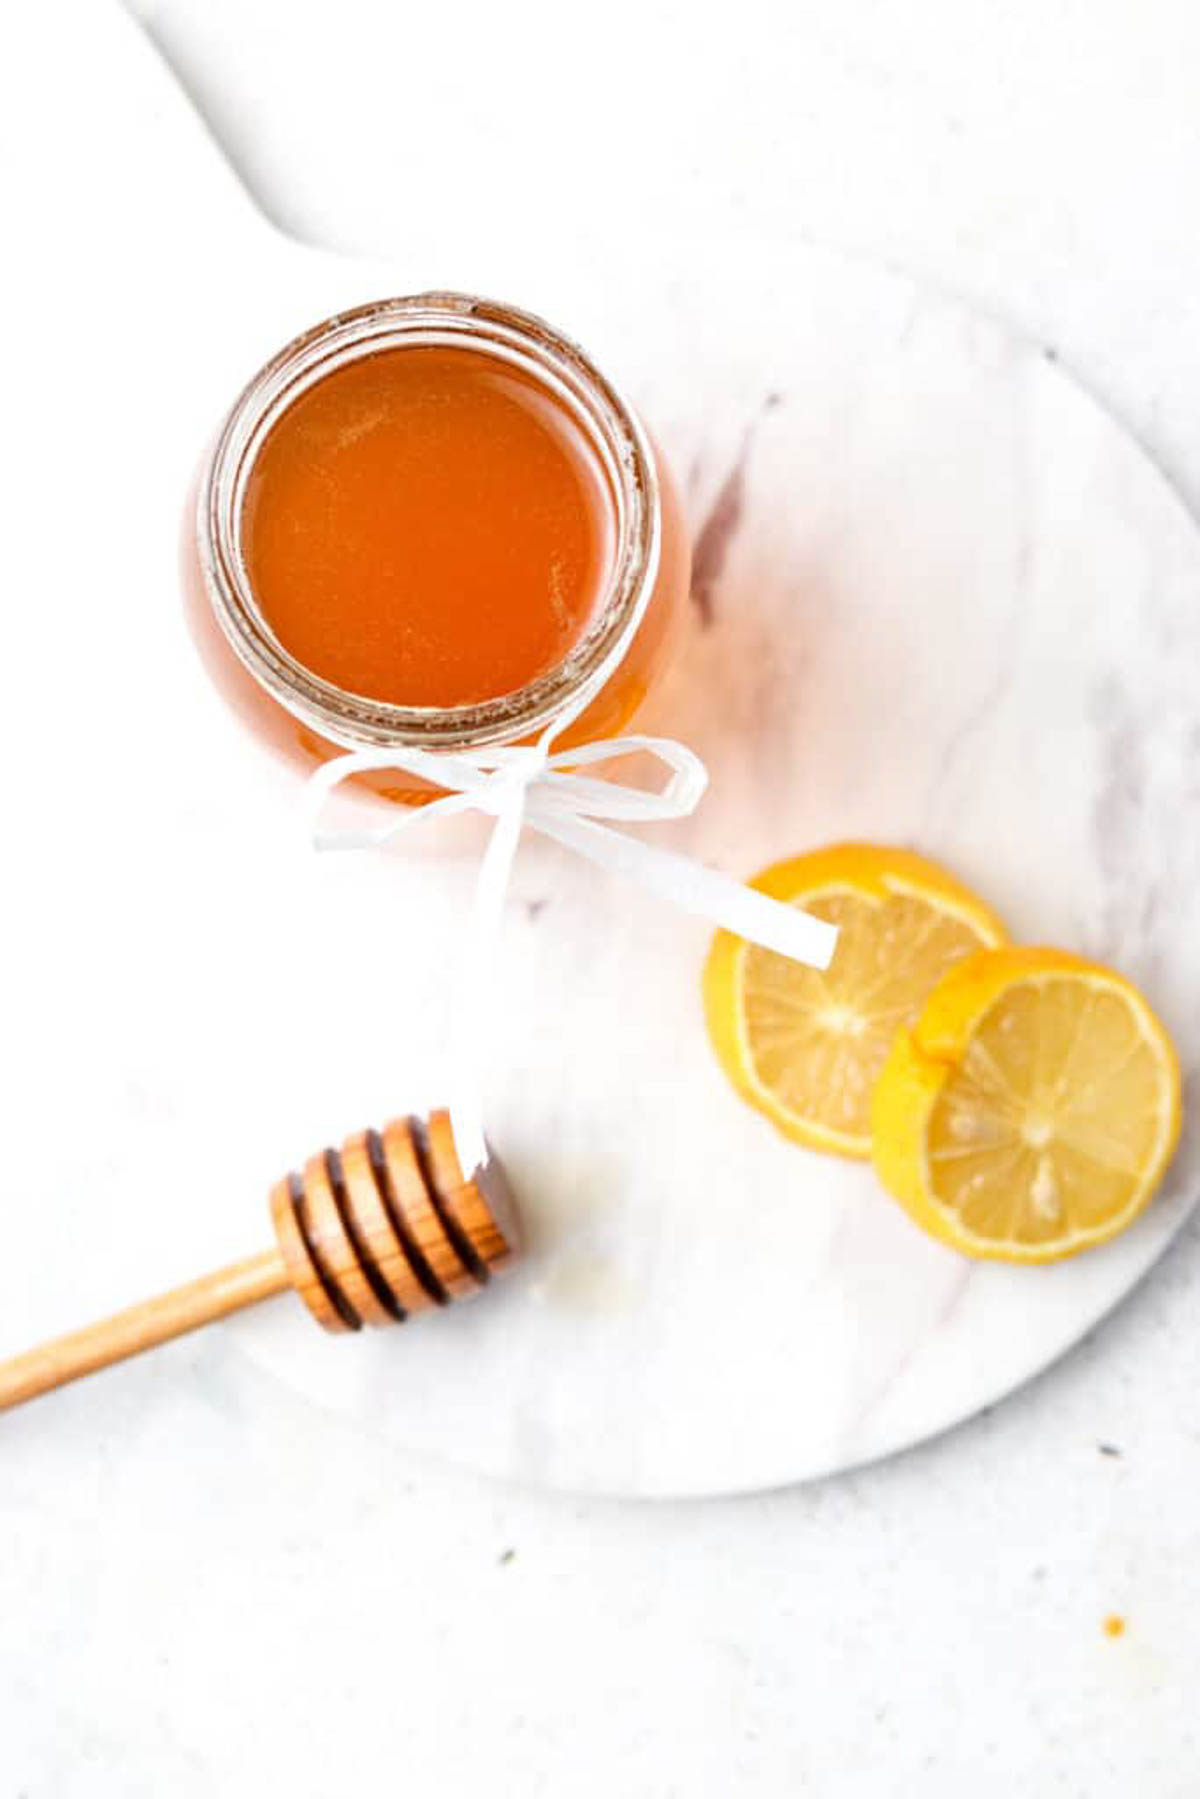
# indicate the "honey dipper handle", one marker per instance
pixel 142 1327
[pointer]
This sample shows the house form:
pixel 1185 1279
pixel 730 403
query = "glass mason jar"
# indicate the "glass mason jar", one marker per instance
pixel 608 670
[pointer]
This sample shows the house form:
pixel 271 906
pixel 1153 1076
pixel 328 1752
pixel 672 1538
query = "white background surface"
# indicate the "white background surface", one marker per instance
pixel 318 1612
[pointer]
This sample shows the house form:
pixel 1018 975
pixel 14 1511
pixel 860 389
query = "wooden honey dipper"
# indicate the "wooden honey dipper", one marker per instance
pixel 384 1227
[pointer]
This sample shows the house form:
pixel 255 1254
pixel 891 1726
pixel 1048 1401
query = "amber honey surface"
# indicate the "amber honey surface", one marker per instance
pixel 428 526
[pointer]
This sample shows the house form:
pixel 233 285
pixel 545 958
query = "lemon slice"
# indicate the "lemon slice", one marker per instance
pixel 807 1047
pixel 1032 1110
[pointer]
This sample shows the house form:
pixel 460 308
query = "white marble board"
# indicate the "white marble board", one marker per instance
pixel 944 600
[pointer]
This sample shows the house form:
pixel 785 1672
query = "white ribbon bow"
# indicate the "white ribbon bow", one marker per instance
pixel 536 786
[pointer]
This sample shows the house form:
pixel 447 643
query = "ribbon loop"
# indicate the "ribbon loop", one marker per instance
pixel 529 784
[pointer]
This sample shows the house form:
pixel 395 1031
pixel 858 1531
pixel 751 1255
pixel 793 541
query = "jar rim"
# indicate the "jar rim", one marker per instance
pixel 356 721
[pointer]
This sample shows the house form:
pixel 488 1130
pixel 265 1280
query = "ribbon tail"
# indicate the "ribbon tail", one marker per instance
pixel 704 892
pixel 475 976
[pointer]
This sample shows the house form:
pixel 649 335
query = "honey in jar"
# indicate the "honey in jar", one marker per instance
pixel 434 521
